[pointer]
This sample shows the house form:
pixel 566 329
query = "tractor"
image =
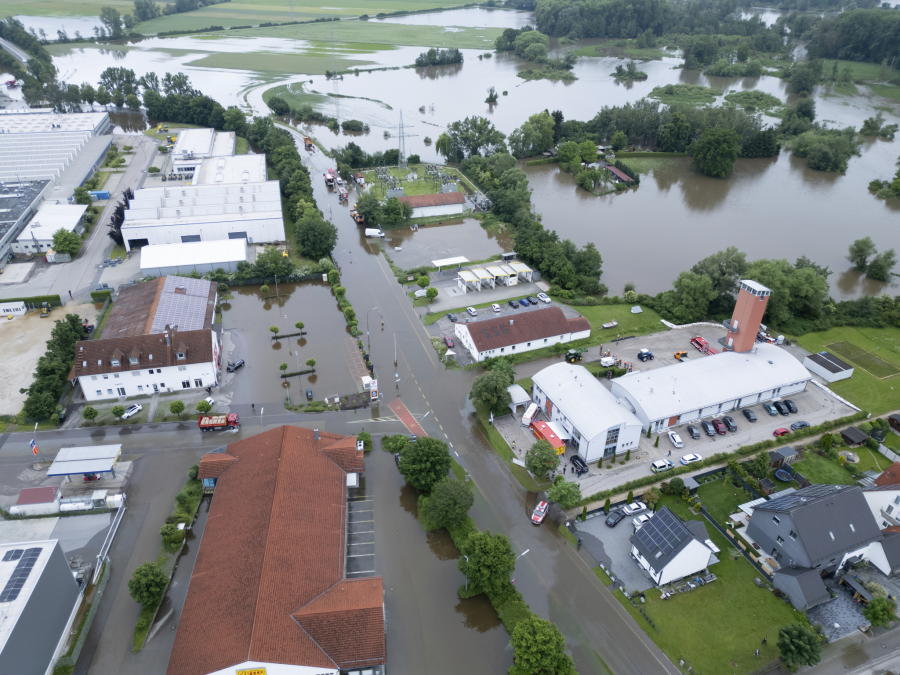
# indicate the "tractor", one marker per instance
pixel 645 355
pixel 574 355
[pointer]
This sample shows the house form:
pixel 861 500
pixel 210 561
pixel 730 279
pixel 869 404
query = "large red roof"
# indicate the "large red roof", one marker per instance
pixel 273 547
pixel 37 495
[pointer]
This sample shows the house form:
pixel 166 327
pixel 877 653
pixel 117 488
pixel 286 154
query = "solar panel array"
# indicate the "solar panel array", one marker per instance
pixel 13 554
pixel 803 496
pixel 23 568
pixel 186 310
pixel 663 532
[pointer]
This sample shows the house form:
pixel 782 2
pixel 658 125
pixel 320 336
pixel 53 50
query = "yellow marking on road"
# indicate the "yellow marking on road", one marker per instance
pixel 447 437
pixel 442 428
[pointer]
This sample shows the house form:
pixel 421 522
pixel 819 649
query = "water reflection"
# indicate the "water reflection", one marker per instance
pixel 478 613
pixel 437 72
pixel 442 545
pixel 128 121
pixel 409 500
pixel 461 236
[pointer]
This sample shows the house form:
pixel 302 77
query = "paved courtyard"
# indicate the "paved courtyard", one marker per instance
pixel 612 547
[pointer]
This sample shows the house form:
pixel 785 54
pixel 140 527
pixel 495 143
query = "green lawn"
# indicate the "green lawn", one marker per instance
pixel 241 146
pixel 862 72
pixel 821 470
pixel 887 91
pixel 717 628
pixel 721 499
pixel 602 576
pixel 422 186
pixel 871 460
pixel 875 395
pixel 892 441
pixel 692 94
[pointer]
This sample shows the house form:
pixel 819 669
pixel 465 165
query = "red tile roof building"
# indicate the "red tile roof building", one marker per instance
pixel 268 585
pixel 890 476
pixel 38 495
pixel 439 199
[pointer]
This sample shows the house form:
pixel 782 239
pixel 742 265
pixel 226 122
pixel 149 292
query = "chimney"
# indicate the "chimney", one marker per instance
pixel 510 322
pixel 316 434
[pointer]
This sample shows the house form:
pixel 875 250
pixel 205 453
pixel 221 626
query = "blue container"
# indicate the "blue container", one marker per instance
pixel 100 194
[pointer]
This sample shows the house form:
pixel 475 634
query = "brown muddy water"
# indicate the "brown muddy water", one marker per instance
pixel 248 317
pixel 462 236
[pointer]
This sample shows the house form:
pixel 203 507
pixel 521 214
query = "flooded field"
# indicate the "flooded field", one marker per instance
pixel 311 302
pixel 475 17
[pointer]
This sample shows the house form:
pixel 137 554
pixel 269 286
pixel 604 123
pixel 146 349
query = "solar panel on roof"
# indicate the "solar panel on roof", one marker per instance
pixel 186 309
pixel 20 575
pixel 803 496
pixel 663 533
pixel 13 554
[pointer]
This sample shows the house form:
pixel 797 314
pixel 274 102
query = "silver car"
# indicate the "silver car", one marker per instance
pixel 132 410
pixel 676 439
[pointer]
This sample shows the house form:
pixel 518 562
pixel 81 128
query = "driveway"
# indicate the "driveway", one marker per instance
pixel 612 547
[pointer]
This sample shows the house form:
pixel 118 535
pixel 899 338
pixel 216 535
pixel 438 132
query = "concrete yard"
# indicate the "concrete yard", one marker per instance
pixel 612 547
pixel 24 341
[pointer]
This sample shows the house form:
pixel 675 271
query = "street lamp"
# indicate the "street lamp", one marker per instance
pixel 368 338
pixel 514 564
pixel 297 357
pixel 467 572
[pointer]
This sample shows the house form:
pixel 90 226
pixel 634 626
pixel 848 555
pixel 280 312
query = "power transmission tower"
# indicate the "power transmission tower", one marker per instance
pixel 292 9
pixel 334 81
pixel 401 163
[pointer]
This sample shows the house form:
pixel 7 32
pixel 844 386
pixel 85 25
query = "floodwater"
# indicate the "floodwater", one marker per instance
pixel 472 17
pixel 70 24
pixel 314 304
pixel 453 237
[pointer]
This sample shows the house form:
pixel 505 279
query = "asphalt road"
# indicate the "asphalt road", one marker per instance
pixel 20 54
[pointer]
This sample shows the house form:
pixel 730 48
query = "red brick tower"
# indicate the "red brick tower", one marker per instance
pixel 748 313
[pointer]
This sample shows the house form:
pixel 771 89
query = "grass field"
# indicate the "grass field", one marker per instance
pixel 62 7
pixel 887 91
pixel 721 498
pixel 820 470
pixel 422 186
pixel 864 359
pixel 270 62
pixel 241 146
pixel 693 94
pixel 731 613
pixel 295 94
pixel 864 389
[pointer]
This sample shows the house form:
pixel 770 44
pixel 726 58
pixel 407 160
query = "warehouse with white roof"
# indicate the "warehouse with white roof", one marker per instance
pixel 195 145
pixel 37 237
pixel 203 256
pixel 598 426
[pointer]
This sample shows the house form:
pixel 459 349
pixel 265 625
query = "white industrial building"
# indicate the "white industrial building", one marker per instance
pixel 37 237
pixel 827 366
pixel 233 200
pixel 597 425
pixel 12 308
pixel 39 601
pixel 195 145
pixel 203 256
pixel 523 333
pixel 684 392
pixel 441 204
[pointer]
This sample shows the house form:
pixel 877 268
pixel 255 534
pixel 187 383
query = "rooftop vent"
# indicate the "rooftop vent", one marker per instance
pixel 316 434
pixel 510 322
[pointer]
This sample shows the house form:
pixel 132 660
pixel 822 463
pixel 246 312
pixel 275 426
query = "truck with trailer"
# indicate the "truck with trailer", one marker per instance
pixel 702 345
pixel 219 422
pixel 330 178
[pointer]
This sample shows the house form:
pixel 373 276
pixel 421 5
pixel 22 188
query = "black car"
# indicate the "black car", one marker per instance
pixel 790 405
pixel 693 431
pixel 749 414
pixel 532 300
pixel 799 425
pixel 730 424
pixel 397 458
pixel 708 428
pixel 781 407
pixel 578 463
pixel 234 366
pixel 615 518
pixel 513 304
pixel 525 302
pixel 452 318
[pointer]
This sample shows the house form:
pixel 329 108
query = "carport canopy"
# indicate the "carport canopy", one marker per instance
pixel 466 278
pixel 560 431
pixel 518 395
pixel 85 459
pixel 459 260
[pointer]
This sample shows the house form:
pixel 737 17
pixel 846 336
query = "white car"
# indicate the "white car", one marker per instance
pixel 635 507
pixel 495 307
pixel 690 459
pixel 339 181
pixel 210 400
pixel 132 410
pixel 639 521
pixel 543 297
pixel 676 439
pixel 471 311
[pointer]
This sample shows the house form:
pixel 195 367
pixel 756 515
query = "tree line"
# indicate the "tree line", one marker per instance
pixel 871 35
pixel 439 57
pixel 53 368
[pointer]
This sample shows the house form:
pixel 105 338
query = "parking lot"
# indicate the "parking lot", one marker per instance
pixel 612 547
pixel 360 531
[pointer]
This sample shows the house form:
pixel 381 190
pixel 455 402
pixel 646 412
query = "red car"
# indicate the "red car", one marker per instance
pixel 781 432
pixel 448 341
pixel 540 512
pixel 720 427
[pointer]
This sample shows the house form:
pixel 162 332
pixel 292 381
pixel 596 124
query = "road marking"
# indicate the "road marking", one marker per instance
pixel 447 437
pixel 456 453
pixel 451 445
pixel 442 428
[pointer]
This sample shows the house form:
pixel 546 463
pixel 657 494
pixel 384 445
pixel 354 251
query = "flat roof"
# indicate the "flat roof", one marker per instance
pixel 85 459
pixel 750 285
pixel 26 561
pixel 16 199
pixel 497 271
pixel 229 170
pixel 520 267
pixel 459 260
pixel 586 403
pixel 829 362
pixel 509 269
pixel 193 253
pixel 196 142
pixel 482 274
pixel 46 121
pixel 700 383
pixel 37 495
pixel 223 144
pixel 465 275
pixel 518 394
pixel 50 218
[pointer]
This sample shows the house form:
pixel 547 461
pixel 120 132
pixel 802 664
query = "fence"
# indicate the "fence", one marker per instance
pixel 732 540
pixel 258 281
pixel 109 538
pixel 71 659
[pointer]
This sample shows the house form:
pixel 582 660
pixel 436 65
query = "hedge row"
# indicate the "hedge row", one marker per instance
pixel 725 456
pixel 54 300
pixel 101 296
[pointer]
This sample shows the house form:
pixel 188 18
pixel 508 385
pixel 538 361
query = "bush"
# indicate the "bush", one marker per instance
pixel 100 296
pixel 153 169
pixel 192 472
pixel 143 623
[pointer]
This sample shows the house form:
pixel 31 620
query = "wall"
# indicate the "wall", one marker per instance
pixel 885 506
pixel 764 531
pixel 462 332
pixel 692 558
pixel 443 210
pixel 259 227
pixel 183 270
pixel 824 373
pixel 275 669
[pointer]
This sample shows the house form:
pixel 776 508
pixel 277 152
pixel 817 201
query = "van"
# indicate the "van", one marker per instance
pixel 661 465
pixel 374 232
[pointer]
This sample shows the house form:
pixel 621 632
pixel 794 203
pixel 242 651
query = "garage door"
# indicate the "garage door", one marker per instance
pixel 728 406
pixel 237 235
pixel 689 417
pixel 711 410
pixel 793 388
pixel 190 237
pixel 750 400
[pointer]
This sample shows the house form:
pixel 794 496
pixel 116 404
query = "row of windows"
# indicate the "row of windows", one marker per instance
pixel 512 349
pixel 133 360
pixel 136 373
pixel 185 384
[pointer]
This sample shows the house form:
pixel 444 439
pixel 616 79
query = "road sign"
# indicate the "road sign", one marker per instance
pixel 34 447
pixel 373 390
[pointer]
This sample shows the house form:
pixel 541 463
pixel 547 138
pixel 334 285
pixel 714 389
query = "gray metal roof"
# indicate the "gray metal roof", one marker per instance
pixel 891 546
pixel 809 582
pixel 661 538
pixel 830 519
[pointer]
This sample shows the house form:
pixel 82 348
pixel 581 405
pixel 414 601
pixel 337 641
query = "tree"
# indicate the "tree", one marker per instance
pixel 423 281
pixel 743 52
pixel 299 325
pixel 759 467
pixel 274 330
pixel 806 108
pixel 676 135
pixel 588 151
pixel 618 141
pixel 444 146
pixel 118 98
pixel 540 649
pixel 311 363
pixel 204 407
pixel 103 96
pixel 449 503
pixel 66 241
pixel 567 152
pixel 715 152
pixel 118 411
pixel 431 293
pixel 369 207
pixel 651 497
pixel 176 407
pixel 693 292
pixel 880 612
pixel 147 584
pixel 392 211
pixel 283 367
pixel 799 646
pixel 82 196
pixel 424 463
pixel 89 413
pixel 491 561
pixel 881 265
pixel 489 390
pixel 88 95
pixel 133 102
pixel 471 136
pixel 540 458
pixel 112 20
pixel 315 237
pixel 565 494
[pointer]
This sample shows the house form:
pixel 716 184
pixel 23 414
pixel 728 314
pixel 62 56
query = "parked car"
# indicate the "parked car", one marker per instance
pixel 540 512
pixel 661 465
pixel 513 304
pixel 639 521
pixel 132 410
pixel 799 425
pixel 634 507
pixel 452 318
pixel 495 307
pixel 543 297
pixel 524 302
pixel 645 355
pixel 771 409
pixel 448 341
pixel 471 311
pixel 397 459
pixel 790 405
pixel 693 432
pixel 578 463
pixel 708 428
pixel 210 400
pixel 309 395
pixel 749 414
pixel 675 439
pixel 781 432
pixel 720 428
pixel 781 408
pixel 234 366
pixel 615 518
pixel 690 459
pixel 729 423
pixel 532 300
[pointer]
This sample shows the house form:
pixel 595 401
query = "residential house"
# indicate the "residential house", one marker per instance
pixel 670 549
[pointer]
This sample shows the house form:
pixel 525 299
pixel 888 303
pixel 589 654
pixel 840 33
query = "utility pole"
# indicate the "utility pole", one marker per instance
pixel 292 9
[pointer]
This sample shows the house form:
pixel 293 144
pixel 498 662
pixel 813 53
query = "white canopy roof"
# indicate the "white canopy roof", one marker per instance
pixel 497 271
pixel 483 274
pixel 465 275
pixel 559 430
pixel 518 394
pixel 459 260
pixel 87 459
pixel 193 253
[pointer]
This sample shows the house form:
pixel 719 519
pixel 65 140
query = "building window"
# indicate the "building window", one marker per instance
pixel 502 348
pixel 198 382
pixel 897 501
pixel 99 393
pixel 793 535
pixel 545 340
pixel 776 519
pixel 109 391
pixel 116 376
pixel 179 355
pixel 115 362
pixel 140 387
pixel 150 371
pixel 889 510
pixel 528 345
pixel 513 348
pixel 162 385
pixel 136 373
pixel 186 384
pixel 158 371
pixel 93 377
pixel 780 541
pixel 106 377
pixel 133 360
pixel 182 367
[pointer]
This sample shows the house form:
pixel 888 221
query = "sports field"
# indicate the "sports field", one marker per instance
pixel 864 359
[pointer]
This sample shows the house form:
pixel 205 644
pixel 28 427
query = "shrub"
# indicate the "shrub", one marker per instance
pixel 264 289
pixel 630 498
pixel 193 471
pixel 143 623
pixel 153 169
